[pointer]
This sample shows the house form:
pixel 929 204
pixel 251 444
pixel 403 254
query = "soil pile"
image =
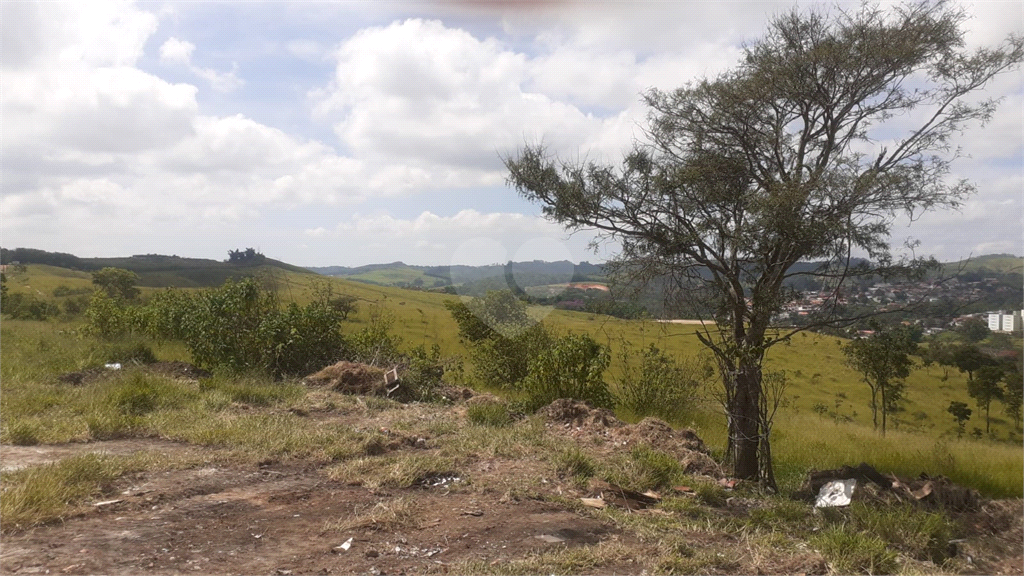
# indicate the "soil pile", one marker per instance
pixel 936 492
pixel 350 378
pixel 599 426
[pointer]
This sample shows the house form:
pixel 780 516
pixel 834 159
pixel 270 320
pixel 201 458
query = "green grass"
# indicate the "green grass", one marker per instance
pixel 850 552
pixel 50 492
pixel 919 440
pixel 489 414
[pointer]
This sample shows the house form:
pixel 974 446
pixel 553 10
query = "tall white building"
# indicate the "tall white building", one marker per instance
pixel 1005 322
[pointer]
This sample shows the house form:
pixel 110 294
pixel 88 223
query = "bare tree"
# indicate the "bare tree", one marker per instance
pixel 779 162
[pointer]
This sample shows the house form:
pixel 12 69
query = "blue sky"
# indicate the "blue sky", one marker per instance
pixel 349 133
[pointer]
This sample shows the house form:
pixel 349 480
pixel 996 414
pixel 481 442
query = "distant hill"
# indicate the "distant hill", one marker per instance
pixel 535 273
pixel 998 263
pixel 154 270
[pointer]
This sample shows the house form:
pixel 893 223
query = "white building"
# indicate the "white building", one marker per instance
pixel 1005 322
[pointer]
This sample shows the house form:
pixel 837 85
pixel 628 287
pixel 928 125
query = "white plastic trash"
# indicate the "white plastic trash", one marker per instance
pixel 114 366
pixel 836 493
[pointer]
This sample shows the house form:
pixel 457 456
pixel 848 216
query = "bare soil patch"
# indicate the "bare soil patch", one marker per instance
pixel 15 457
pixel 495 514
pixel 173 369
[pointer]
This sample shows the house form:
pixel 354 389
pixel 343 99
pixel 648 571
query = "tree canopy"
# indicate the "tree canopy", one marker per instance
pixel 883 359
pixel 795 155
pixel 118 283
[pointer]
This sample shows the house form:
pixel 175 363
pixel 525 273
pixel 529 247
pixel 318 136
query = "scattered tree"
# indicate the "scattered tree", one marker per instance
pixel 1012 395
pixel 962 414
pixel 986 388
pixel 968 358
pixel 973 330
pixel 781 161
pixel 247 256
pixel 117 283
pixel 883 359
pixel 941 353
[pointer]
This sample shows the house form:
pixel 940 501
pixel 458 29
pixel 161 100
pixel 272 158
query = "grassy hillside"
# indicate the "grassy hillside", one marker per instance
pixel 920 437
pixel 1002 263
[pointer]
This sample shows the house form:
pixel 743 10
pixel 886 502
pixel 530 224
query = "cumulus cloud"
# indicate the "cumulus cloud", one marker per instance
pixel 439 97
pixel 175 51
pixel 467 237
pixel 99 146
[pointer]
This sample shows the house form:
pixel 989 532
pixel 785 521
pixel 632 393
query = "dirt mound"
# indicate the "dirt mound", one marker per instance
pixel 456 393
pixel 580 420
pixel 173 369
pixel 937 492
pixel 350 378
pixel 85 376
pixel 580 416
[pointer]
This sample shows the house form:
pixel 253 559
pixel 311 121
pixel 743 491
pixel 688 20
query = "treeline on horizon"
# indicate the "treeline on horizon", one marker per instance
pixel 161 270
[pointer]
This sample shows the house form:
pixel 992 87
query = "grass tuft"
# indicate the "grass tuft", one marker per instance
pixel 489 414
pixel 851 552
pixel 44 493
pixel 643 468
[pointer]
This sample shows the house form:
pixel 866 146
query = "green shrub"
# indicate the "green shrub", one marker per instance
pixel 125 352
pixel 22 306
pixel 240 328
pixel 503 341
pixel 503 362
pixel 489 414
pixel 422 378
pixel 375 344
pixel 106 317
pixel 659 385
pixel 74 306
pixel 573 368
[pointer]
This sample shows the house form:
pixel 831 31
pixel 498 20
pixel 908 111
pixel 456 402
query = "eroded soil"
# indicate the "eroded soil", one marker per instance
pixel 283 519
pixel 223 516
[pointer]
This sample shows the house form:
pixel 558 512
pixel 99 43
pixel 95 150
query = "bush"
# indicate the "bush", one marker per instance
pixel 106 317
pixel 572 368
pixel 660 385
pixel 21 306
pixel 503 341
pixel 375 344
pixel 75 306
pixel 426 370
pixel 239 327
pixel 125 352
pixel 504 362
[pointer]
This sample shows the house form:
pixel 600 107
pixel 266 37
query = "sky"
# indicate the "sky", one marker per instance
pixel 358 132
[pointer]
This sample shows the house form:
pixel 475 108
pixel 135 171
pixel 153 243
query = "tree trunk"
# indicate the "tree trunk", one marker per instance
pixel 744 421
pixel 885 411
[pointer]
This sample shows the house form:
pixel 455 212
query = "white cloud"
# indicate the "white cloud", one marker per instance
pixel 466 237
pixel 176 51
pixel 102 152
pixel 426 95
